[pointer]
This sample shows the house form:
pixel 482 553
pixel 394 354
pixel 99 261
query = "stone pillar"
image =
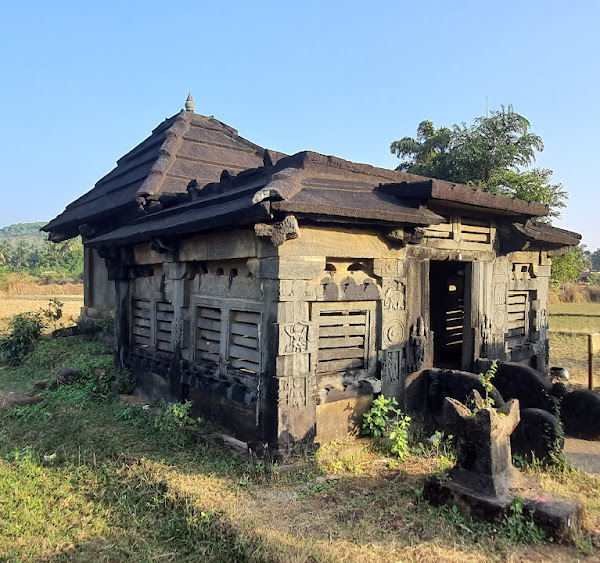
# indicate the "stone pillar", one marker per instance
pixel 177 276
pixel 295 382
pixel 122 314
pixel 294 385
pixel 394 332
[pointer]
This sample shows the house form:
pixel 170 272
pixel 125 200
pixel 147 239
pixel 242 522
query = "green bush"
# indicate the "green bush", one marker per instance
pixel 174 416
pixel 25 329
pixel 386 423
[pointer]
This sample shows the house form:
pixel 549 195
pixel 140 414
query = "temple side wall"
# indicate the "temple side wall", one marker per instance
pixel 98 289
pixel 289 344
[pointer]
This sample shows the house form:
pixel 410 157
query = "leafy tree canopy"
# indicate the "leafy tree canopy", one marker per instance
pixel 493 154
pixel 23 230
pixel 568 267
pixel 594 258
pixel 24 249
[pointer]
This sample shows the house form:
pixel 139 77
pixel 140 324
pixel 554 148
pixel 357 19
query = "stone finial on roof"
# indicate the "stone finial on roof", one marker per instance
pixel 189 103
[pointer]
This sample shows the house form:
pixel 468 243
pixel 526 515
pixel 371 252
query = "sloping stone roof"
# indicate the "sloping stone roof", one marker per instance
pixel 317 187
pixel 186 147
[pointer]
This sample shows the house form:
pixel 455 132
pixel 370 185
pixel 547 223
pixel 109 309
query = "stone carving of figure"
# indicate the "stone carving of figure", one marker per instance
pixel 419 336
pixel 298 338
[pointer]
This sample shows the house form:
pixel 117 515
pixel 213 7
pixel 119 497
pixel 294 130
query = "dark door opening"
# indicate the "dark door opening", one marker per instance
pixel 447 312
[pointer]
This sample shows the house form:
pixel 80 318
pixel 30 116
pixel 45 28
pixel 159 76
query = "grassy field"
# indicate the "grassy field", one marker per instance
pixel 571 350
pixel 88 477
pixel 12 304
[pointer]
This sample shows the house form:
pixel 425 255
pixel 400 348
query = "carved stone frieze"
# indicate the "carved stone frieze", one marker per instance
pixel 294 392
pixel 384 268
pixel 500 294
pixel 486 337
pixel 279 232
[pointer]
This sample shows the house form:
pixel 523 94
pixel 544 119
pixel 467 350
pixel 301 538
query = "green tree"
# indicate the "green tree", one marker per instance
pixel 493 154
pixel 594 258
pixel 568 267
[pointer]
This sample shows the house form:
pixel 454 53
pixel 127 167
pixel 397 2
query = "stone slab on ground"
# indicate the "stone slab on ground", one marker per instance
pixel 10 399
pixel 560 517
pixel 583 454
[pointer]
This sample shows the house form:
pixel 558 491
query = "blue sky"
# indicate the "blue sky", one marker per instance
pixel 83 82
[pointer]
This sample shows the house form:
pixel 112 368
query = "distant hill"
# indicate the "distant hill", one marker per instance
pixel 29 232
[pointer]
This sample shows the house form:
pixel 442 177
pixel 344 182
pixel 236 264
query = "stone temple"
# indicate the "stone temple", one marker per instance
pixel 281 293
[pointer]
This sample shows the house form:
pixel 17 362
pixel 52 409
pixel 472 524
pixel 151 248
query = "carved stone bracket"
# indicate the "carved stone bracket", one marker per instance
pixel 414 236
pixel 163 246
pixel 279 232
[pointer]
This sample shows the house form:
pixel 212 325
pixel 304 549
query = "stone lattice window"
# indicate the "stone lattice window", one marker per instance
pixel 518 314
pixel 345 336
pixel 475 230
pixel 229 336
pixel 164 326
pixel 244 351
pixel 141 323
pixel 208 334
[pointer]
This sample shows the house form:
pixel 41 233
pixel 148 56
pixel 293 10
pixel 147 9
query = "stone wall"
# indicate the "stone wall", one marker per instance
pixel 287 341
pixel 98 290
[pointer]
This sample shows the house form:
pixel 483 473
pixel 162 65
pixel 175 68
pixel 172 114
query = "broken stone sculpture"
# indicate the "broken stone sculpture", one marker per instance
pixel 484 484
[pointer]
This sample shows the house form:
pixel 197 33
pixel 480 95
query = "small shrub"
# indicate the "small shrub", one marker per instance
pixel 593 293
pixel 25 329
pixel 519 527
pixel 486 381
pixel 107 324
pixel 377 418
pixel 53 312
pixel 174 416
pixel 125 382
pixel 386 423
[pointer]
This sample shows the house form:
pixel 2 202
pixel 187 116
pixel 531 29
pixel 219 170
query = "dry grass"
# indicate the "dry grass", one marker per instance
pixel 122 488
pixel 11 305
pixel 571 351
pixel 53 289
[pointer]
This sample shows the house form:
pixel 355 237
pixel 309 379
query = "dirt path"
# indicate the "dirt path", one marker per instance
pixel 584 454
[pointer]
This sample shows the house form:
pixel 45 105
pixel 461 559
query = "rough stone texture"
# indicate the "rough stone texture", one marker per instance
pixel 282 293
pixel 580 414
pixel 484 459
pixel 538 434
pixel 455 384
pixel 560 517
pixel 484 484
pixel 515 381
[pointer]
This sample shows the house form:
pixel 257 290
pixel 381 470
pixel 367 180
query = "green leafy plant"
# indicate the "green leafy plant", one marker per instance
pixel 376 420
pixel 399 436
pixel 53 312
pixel 386 423
pixel 486 381
pixel 520 527
pixel 107 324
pixel 25 329
pixel 174 416
pixel 125 382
